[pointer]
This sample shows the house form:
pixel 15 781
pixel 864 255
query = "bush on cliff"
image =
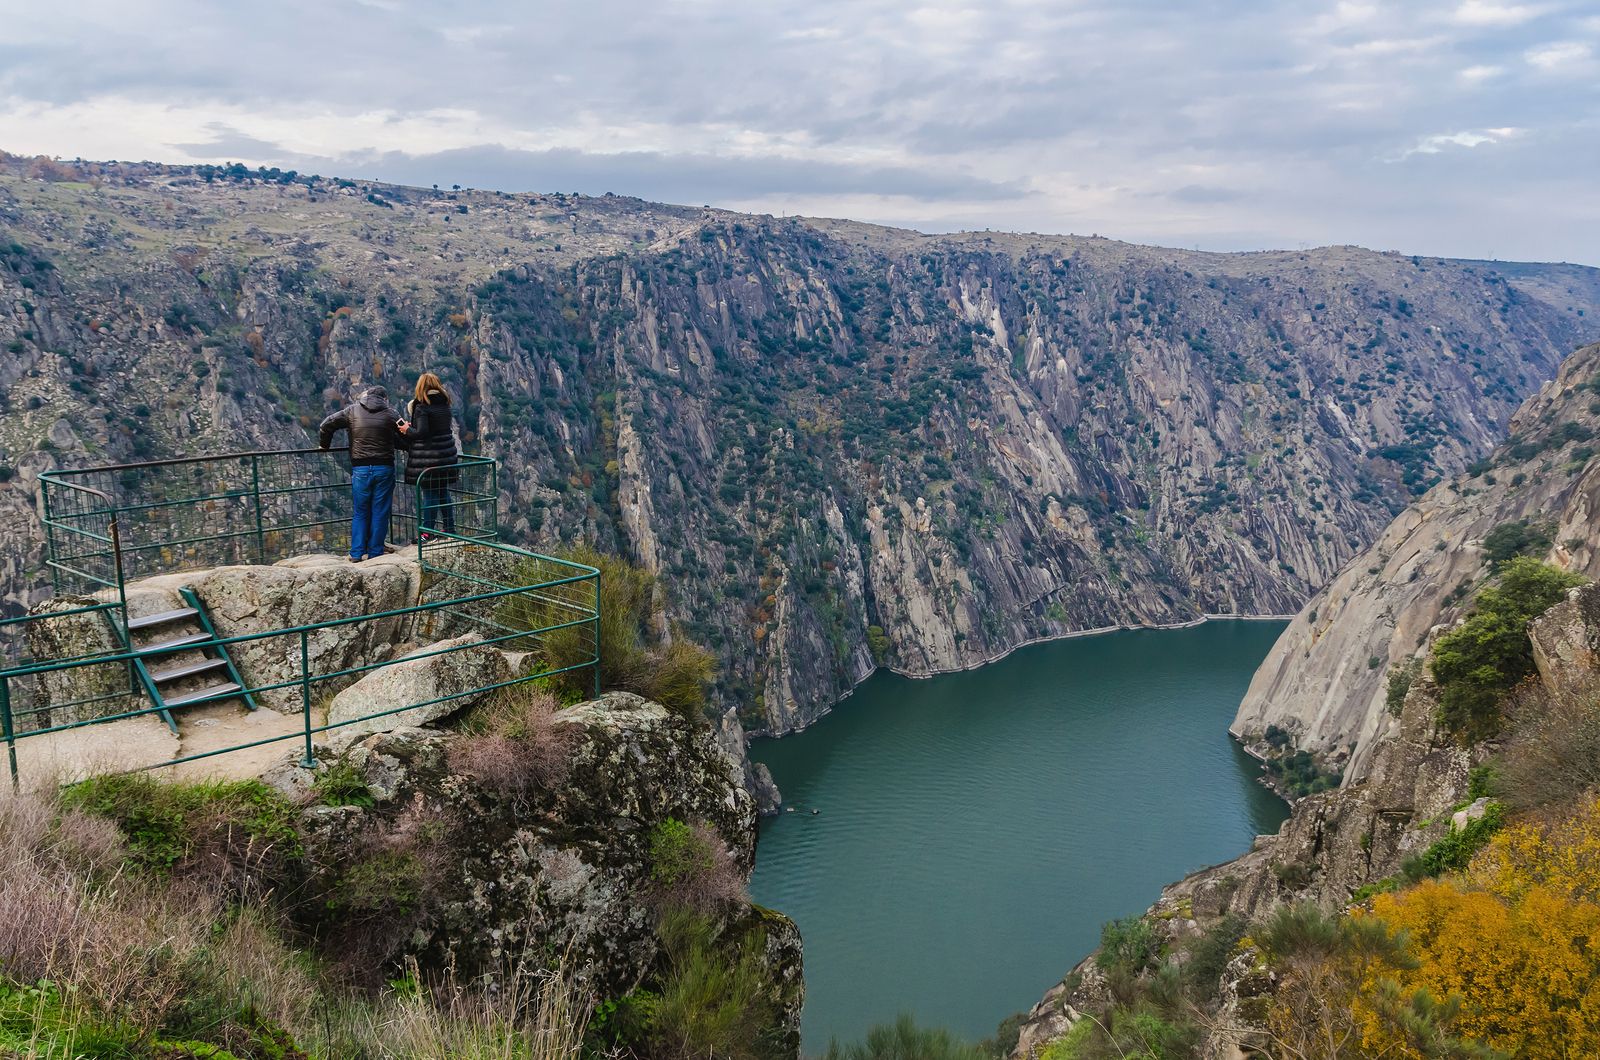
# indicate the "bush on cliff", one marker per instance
pixel 1476 663
pixel 714 998
pixel 904 1040
pixel 672 672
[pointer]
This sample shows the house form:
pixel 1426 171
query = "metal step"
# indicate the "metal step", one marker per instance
pixel 174 673
pixel 187 640
pixel 222 691
pixel 161 618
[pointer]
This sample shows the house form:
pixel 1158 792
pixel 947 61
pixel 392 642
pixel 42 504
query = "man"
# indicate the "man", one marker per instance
pixel 375 430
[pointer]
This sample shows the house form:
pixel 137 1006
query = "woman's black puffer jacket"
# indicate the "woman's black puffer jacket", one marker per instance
pixel 431 440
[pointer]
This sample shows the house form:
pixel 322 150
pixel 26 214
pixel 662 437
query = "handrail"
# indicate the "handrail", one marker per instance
pixel 212 458
pixel 165 523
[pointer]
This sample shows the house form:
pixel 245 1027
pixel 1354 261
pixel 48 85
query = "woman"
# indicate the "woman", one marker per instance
pixel 431 454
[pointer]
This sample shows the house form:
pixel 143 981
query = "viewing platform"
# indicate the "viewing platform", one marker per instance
pixel 205 619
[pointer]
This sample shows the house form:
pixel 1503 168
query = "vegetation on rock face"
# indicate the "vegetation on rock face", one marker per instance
pixel 1397 683
pixel 904 1040
pixel 633 657
pixel 1510 540
pixel 1479 661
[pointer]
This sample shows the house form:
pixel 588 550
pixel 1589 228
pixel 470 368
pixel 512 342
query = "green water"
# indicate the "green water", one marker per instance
pixel 976 829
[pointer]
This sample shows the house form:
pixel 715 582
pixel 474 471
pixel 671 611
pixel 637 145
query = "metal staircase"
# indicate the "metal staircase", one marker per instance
pixel 179 661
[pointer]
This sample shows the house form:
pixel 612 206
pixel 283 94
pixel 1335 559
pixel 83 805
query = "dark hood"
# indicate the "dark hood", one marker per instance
pixel 375 399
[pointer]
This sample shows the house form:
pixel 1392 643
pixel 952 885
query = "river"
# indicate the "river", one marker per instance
pixel 973 831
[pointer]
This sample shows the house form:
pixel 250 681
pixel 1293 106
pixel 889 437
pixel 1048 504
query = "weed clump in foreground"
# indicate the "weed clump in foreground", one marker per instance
pixel 108 948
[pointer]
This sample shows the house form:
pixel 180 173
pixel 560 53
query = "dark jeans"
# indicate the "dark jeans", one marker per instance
pixel 371 495
pixel 438 513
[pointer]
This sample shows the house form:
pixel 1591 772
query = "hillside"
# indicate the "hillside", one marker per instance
pixel 1325 682
pixel 1458 857
pixel 841 445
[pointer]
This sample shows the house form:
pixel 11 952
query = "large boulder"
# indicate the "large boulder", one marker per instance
pixel 305 590
pixel 560 867
pixel 430 682
pixel 80 693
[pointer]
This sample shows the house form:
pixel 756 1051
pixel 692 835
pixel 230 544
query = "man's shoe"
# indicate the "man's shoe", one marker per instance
pixel 355 559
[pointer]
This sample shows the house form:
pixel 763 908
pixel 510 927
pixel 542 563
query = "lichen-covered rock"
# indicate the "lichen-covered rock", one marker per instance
pixel 432 677
pixel 304 590
pixel 95 690
pixel 557 870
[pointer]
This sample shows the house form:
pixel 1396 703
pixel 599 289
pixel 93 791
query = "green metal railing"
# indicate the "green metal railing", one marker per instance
pixel 73 665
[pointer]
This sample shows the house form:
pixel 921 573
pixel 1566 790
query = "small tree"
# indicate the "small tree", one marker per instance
pixel 1478 661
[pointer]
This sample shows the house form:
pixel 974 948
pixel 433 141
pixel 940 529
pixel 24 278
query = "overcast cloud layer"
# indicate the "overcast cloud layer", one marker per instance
pixel 1465 128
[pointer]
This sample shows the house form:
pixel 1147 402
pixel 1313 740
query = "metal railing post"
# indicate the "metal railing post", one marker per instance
pixel 255 492
pixel 10 730
pixel 597 636
pixel 49 534
pixel 310 760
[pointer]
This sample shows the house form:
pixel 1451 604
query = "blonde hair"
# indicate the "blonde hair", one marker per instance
pixel 427 382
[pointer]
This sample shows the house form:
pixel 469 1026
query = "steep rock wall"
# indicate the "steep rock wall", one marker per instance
pixel 1324 680
pixel 808 428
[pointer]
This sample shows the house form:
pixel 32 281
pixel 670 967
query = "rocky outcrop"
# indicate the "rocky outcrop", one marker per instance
pixel 432 676
pixel 807 428
pixel 1409 782
pixel 1324 680
pixel 305 590
pixel 1566 639
pixel 562 867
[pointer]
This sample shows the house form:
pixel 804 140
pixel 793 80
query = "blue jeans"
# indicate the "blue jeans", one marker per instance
pixel 438 511
pixel 371 494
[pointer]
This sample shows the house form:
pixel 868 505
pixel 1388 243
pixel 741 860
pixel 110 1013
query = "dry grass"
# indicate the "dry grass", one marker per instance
pixel 516 744
pixel 528 1015
pixel 1552 756
pixel 135 957
pixel 68 914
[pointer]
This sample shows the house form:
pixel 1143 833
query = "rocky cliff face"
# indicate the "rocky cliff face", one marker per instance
pixel 1324 682
pixel 474 875
pixel 808 428
pixel 1409 780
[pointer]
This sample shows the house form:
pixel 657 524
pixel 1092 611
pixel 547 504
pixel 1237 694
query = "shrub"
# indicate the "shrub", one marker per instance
pixel 674 673
pixel 1397 684
pixel 342 784
pixel 1127 946
pixel 714 994
pixel 1552 752
pixel 691 868
pixel 1207 955
pixel 1517 973
pixel 1451 852
pixel 1488 653
pixel 1510 540
pixel 904 1040
pixel 515 744
pixel 234 836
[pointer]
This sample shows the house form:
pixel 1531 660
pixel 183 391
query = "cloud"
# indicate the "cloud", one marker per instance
pixel 1489 13
pixel 1232 124
pixel 1560 56
pixel 1432 145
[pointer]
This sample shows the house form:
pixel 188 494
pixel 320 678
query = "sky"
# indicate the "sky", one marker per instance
pixel 1468 128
